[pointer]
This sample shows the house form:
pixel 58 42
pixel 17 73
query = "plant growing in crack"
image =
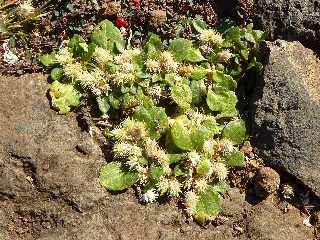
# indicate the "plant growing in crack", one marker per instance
pixel 179 128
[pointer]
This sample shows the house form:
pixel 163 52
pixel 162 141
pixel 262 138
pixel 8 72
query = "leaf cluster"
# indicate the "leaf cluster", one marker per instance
pixel 181 130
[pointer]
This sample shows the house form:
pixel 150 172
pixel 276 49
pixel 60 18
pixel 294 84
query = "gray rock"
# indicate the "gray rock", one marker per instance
pixel 287 111
pixel 289 19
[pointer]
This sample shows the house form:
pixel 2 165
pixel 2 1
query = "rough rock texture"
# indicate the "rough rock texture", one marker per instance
pixel 266 182
pixel 287 111
pixel 49 189
pixel 290 20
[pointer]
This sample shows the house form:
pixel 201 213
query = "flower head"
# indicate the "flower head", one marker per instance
pixel 225 56
pixel 153 66
pixel 154 151
pixel 163 185
pixel 174 188
pixel 102 56
pixel 225 146
pixel 73 70
pixel 125 150
pixel 212 37
pixel 64 56
pixel 200 185
pixel 220 170
pixel 26 9
pixel 193 157
pixel 190 202
pixel 168 62
pixel 210 146
pixel 149 197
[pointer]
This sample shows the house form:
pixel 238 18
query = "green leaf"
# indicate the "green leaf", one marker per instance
pixel 234 159
pixel 198 89
pixel 181 133
pixel 114 178
pixel 156 171
pixel 174 158
pixel 235 131
pixel 103 104
pixel 48 59
pixel 199 73
pixel 221 187
pixel 78 45
pixel 222 101
pixel 183 50
pixel 182 95
pixel 203 167
pixel 153 46
pixel 56 74
pixel 199 25
pixel 208 206
pixel 179 170
pixel 155 119
pixel 64 96
pixel 224 80
pixel 106 35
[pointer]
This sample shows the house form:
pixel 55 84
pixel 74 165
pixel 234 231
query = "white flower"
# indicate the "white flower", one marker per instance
pixel 210 146
pixel 125 150
pixel 193 157
pixel 225 146
pixel 9 56
pixel 149 197
pixel 168 63
pixel 26 9
pixel 225 56
pixel 174 188
pixel 153 66
pixel 163 185
pixel 211 36
pixel 154 151
pixel 190 202
pixel 64 56
pixel 155 91
pixel 102 56
pixel 220 170
pixel 200 185
pixel 73 70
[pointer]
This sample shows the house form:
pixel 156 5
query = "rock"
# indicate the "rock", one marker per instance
pixel 268 223
pixel 290 20
pixel 266 182
pixel 39 148
pixel 286 110
pixel 157 18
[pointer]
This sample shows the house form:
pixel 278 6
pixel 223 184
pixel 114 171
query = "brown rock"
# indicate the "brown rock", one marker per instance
pixel 266 182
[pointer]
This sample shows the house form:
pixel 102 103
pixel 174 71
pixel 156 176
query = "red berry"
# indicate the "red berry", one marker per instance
pixel 137 3
pixel 121 22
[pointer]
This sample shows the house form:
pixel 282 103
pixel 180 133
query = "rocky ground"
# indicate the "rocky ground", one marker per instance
pixel 49 187
pixel 49 166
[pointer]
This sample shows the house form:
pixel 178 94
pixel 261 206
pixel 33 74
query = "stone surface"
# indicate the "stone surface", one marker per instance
pixel 286 110
pixel 266 182
pixel 49 188
pixel 289 19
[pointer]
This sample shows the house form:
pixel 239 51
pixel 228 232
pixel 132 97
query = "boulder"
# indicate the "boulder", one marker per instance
pixel 289 19
pixel 286 110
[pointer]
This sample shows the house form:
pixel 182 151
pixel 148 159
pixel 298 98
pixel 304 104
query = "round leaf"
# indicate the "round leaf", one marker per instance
pixel 235 131
pixel 113 178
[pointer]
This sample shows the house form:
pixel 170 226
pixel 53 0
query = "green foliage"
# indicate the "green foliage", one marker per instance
pixel 115 178
pixel 235 131
pixel 208 205
pixel 171 107
pixel 64 96
pixel 108 36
